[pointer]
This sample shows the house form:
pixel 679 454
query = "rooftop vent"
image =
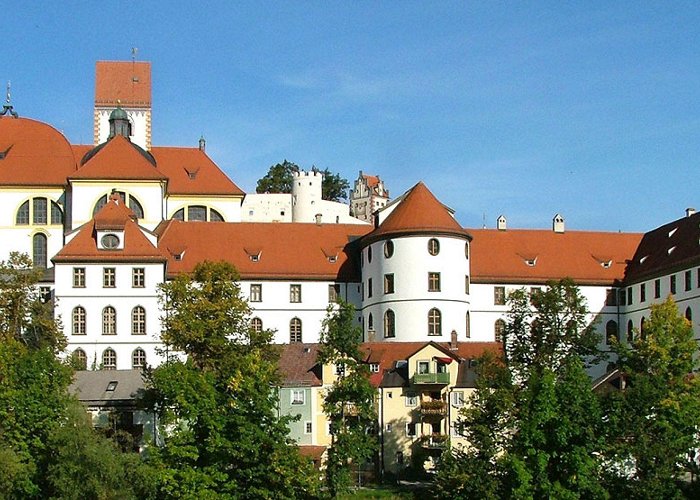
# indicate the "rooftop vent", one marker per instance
pixel 501 223
pixel 689 211
pixel 558 224
pixel 111 387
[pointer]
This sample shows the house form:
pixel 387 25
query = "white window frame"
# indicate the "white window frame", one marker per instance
pixel 294 400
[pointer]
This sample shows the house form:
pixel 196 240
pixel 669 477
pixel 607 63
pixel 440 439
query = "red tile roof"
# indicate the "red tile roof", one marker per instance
pixel 297 365
pixel 666 249
pixel 83 247
pixel 419 212
pixel 294 251
pixel 118 158
pixel 372 180
pixel 191 171
pixel 33 153
pixel 124 81
pixel 589 258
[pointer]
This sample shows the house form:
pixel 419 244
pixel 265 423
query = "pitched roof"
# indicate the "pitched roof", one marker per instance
pixel 264 251
pixel 118 158
pixel 191 171
pixel 666 249
pixel 538 256
pixel 124 81
pixel 297 365
pixel 419 212
pixel 83 247
pixel 91 386
pixel 372 180
pixel 33 153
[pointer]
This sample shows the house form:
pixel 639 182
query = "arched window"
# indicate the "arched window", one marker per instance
pixel 109 321
pixel 136 207
pixel 369 254
pixel 22 218
pixel 630 331
pixel 611 332
pixel 388 249
pixel 433 246
pixel 370 322
pixel 79 359
pixel 56 213
pixel 256 324
pixel 389 324
pixel 215 216
pixel 138 321
pixel 100 203
pixel 41 211
pixel 466 250
pixel 197 212
pixel 109 359
pixel 434 322
pixel 39 250
pixel 643 328
pixel 468 326
pixel 138 358
pixel 79 320
pixel 689 314
pixel 295 331
pixel 499 328
pixel 179 215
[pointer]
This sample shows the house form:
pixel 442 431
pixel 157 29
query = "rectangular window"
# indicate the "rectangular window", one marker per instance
pixel 294 293
pixel 411 429
pixel 307 427
pixel 340 369
pixel 109 277
pixel 388 283
pixel 657 289
pixel 256 293
pixel 629 296
pixel 374 367
pixel 466 285
pixel 673 283
pixel 499 295
pixel 411 399
pixel 611 297
pixel 433 282
pixel 457 398
pixel 138 277
pixel 623 297
pixel 78 277
pixel 423 367
pixel 333 292
pixel 697 273
pixel 40 211
pixel 688 280
pixel 298 397
pixel 369 288
pixel 388 427
pixel 643 292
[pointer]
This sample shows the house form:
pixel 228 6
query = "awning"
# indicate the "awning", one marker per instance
pixel 447 361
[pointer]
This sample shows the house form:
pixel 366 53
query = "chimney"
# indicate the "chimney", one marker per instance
pixel 318 219
pixel 371 336
pixel 501 223
pixel 689 211
pixel 453 340
pixel 558 224
pixel 202 143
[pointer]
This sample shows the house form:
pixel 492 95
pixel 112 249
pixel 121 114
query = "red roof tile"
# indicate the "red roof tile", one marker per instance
pixel 118 158
pixel 595 258
pixel 124 81
pixel 289 250
pixel 33 153
pixel 298 366
pixel 419 212
pixel 206 177
pixel 372 180
pixel 83 247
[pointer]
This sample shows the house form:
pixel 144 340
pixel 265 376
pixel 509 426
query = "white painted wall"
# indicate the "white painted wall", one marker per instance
pixel 140 120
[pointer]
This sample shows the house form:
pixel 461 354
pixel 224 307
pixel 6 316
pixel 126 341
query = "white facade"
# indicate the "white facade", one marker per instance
pixel 139 118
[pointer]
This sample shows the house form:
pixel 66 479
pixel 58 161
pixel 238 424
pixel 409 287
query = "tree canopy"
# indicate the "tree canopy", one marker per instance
pixel 217 413
pixel 279 180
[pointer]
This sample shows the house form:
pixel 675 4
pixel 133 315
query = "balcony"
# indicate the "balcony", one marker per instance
pixel 435 407
pixel 431 378
pixel 434 441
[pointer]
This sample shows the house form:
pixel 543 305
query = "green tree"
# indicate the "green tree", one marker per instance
pixel 653 423
pixel 279 180
pixel 349 403
pixel 217 411
pixel 534 421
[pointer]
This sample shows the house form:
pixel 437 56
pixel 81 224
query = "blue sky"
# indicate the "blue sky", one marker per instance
pixel 590 109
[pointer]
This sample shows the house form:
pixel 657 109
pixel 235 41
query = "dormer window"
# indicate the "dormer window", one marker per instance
pixel 531 262
pixel 110 241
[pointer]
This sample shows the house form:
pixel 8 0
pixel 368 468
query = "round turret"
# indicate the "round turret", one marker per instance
pixel 306 196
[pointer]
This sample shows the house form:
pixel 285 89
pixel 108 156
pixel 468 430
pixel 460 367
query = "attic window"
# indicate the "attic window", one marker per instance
pixel 111 387
pixel 670 250
pixel 374 367
pixel 332 259
pixel 110 241
pixel 531 262
pixel 606 264
pixel 255 257
pixel 672 232
pixel 192 172
pixel 641 261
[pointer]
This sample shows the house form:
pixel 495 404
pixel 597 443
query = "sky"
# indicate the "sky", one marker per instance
pixel 526 109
